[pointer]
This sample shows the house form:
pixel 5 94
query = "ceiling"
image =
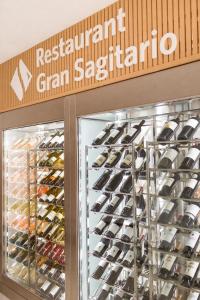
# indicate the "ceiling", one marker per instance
pixel 25 23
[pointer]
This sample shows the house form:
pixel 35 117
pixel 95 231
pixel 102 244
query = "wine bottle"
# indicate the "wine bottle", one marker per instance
pixel 102 180
pixel 50 157
pixel 14 252
pixel 168 158
pixel 52 178
pixel 190 187
pixel 119 295
pixel 128 233
pixel 116 133
pixel 46 230
pixel 29 261
pixel 191 157
pixel 167 266
pixel 60 180
pixel 127 211
pixel 53 141
pixel 54 195
pixel 50 217
pixel 43 212
pixel 113 204
pixel 140 158
pixel 190 215
pixel 60 142
pixel 189 274
pixel 141 204
pixel 103 134
pixel 61 278
pixel 114 158
pixel 45 176
pixel 100 202
pixel 193 296
pixel 53 232
pixel 103 294
pixel 114 228
pixel 57 141
pixel 102 266
pixel 47 140
pixel 129 284
pixel 114 182
pixel 169 185
pixel 127 185
pixel 45 267
pixel 167 238
pixel 22 239
pixel 191 244
pixel 128 259
pixel 14 237
pixel 55 291
pixel 168 212
pixel 168 130
pixel 103 223
pixel 132 133
pixel 101 247
pixel 45 286
pixel 21 256
pixel 127 160
pixel 188 129
pixel 114 252
pixel 124 249
pixel 113 275
pixel 101 159
pixel 30 242
pixel 167 291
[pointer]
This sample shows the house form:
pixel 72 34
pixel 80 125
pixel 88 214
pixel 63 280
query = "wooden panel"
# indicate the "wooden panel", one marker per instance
pixel 180 17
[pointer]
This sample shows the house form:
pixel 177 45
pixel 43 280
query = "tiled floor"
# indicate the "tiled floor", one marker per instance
pixel 2 297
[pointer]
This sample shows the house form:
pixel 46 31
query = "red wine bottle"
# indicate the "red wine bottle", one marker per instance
pixel 140 159
pixel 128 259
pixel 188 129
pixel 113 204
pixel 101 159
pixel 168 158
pixel 127 185
pixel 190 215
pixel 114 182
pixel 100 202
pixel 101 137
pixel 114 158
pixel 191 244
pixel 167 266
pixel 167 239
pixel 127 210
pixel 169 185
pixel 102 266
pixel 167 291
pixel 114 228
pixel 167 212
pixel 132 133
pixel 101 247
pixel 119 295
pixel 114 252
pixel 127 161
pixel 102 180
pixel 191 158
pixel 189 274
pixel 128 233
pixel 113 275
pixel 129 284
pixel 190 187
pixel 168 130
pixel 116 133
pixel 103 223
pixel 103 294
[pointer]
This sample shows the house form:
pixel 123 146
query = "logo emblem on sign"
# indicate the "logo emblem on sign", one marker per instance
pixel 21 80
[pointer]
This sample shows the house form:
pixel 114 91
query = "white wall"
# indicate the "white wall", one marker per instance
pixel 24 23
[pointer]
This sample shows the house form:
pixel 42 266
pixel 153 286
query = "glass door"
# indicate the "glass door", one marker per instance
pixel 34 208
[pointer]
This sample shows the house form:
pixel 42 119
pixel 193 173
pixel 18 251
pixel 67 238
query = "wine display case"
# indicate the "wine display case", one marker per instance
pixel 34 208
pixel 123 190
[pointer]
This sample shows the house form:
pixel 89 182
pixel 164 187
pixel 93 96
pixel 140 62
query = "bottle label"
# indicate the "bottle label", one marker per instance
pixel 113 251
pixel 193 153
pixel 62 276
pixel 100 135
pixel 52 271
pixel 44 197
pixel 192 210
pixel 100 247
pixel 129 256
pixel 56 174
pixel 100 160
pixel 172 125
pixel 54 290
pixel 114 201
pixel 169 207
pixel 101 199
pixel 191 183
pixel 101 225
pixel 114 228
pixel 169 261
pixel 51 198
pixel 169 234
pixel 114 133
pixel 62 156
pixel 131 132
pixel 169 182
pixel 120 293
pixel 192 122
pixel 106 288
pixel 62 174
pixel 171 154
pixel 138 162
pixel 45 286
pixel 112 158
pixel 129 204
pixel 129 232
pixel 43 212
pixel 43 267
pixel 61 140
pixel 60 194
pixel 103 263
pixel 191 268
pixel 192 240
pixel 128 159
pixel 51 215
pixel 193 296
pixel 166 289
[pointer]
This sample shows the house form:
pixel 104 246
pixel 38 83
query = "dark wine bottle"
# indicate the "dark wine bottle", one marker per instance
pixel 140 203
pixel 127 185
pixel 190 187
pixel 128 259
pixel 167 212
pixel 129 284
pixel 14 237
pixel 167 266
pixel 189 274
pixel 103 223
pixel 169 185
pixel 191 244
pixel 113 253
pixel 190 215
pixel 168 130
pixel 124 249
pixel 114 228
pixel 100 202
pixel 114 158
pixel 101 159
pixel 167 239
pixel 167 291
pixel 127 210
pixel 103 134
pixel 114 182
pixel 191 157
pixel 168 158
pixel 103 294
pixel 132 133
pixel 116 133
pixel 102 266
pixel 101 247
pixel 102 180
pixel 119 295
pixel 188 129
pixel 128 233
pixel 113 275
pixel 127 160
pixel 140 159
pixel 113 204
